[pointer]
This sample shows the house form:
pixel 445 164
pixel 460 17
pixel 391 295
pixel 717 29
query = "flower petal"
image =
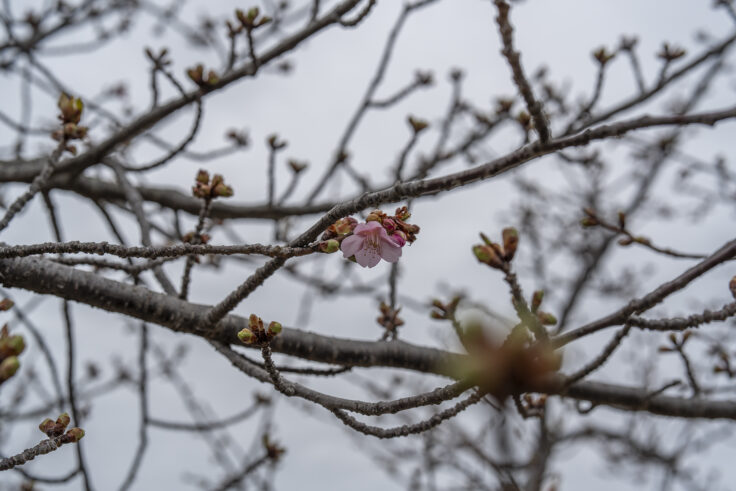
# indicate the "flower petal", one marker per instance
pixel 351 245
pixel 366 228
pixel 367 257
pixel 390 251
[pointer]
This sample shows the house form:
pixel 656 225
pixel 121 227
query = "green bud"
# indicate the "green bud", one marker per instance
pixel 546 318
pixel 16 344
pixel 8 367
pixel 74 435
pixel 246 336
pixel 274 328
pixel 223 191
pixel 537 300
pixel 487 255
pixel 46 425
pixel 63 419
pixel 510 242
pixel 329 246
pixel 203 177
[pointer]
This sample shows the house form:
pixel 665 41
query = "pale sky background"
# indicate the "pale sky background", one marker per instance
pixel 309 109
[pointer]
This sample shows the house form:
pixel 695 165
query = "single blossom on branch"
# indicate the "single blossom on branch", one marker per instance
pixel 380 237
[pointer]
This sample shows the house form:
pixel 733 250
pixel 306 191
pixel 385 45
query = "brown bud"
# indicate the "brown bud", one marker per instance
pixel 487 255
pixel 418 125
pixel 603 56
pixel 510 242
pixel 246 336
pixel 63 420
pixel 537 298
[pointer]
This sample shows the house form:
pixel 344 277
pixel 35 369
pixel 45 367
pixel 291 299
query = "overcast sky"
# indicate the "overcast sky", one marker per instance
pixel 309 109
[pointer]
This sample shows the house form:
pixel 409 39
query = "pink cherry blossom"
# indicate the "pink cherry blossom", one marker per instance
pixel 369 244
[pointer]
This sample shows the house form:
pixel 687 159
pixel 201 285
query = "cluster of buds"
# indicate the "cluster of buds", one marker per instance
pixel 395 225
pixel 251 20
pixel 159 60
pixel 57 429
pixel 70 114
pixel 192 238
pixel 273 449
pixel 256 333
pixel 677 342
pixel 504 105
pixel 670 53
pixel 525 121
pixel 10 348
pixel 197 76
pixel 334 234
pixel 628 43
pixel 210 189
pixel 517 365
pixel 423 78
pixel 723 365
pixel 389 317
pixel 297 166
pixel 275 144
pixel 238 137
pixel 495 255
pixel 417 125
pixel 602 55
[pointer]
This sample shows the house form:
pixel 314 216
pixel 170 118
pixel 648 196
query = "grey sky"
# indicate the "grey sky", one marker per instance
pixel 309 108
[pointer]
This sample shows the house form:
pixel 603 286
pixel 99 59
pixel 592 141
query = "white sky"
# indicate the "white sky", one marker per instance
pixel 309 109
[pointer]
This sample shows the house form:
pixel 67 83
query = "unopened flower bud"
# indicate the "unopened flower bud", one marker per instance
pixel 373 216
pixel 510 242
pixel 389 225
pixel 12 346
pixel 255 323
pixel 588 222
pixel 203 177
pixel 274 328
pixel 399 237
pixel 732 286
pixel 6 304
pixel 8 367
pixel 418 125
pixel 537 298
pixel 246 336
pixel 46 425
pixel 222 190
pixel 63 420
pixel 546 318
pixel 487 255
pixel 74 435
pixel 329 246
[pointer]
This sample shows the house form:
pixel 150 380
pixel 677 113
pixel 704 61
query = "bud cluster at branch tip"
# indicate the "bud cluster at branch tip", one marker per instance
pixel 382 236
pixel 70 114
pixel 252 19
pixel 256 333
pixel 56 429
pixel 10 348
pixel 207 188
pixel 495 255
